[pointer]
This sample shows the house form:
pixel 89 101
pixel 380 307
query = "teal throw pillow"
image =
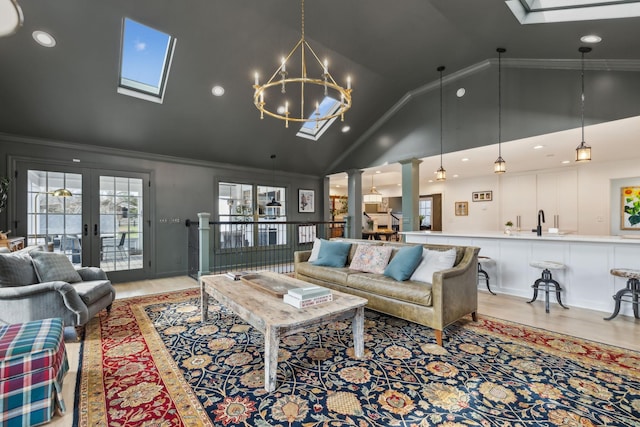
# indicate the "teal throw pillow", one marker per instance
pixel 402 266
pixel 332 254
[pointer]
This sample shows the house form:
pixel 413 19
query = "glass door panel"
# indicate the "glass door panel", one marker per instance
pixel 121 223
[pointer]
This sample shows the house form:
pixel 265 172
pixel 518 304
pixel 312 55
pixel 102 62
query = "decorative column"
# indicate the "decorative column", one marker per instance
pixel 204 231
pixel 410 194
pixel 354 187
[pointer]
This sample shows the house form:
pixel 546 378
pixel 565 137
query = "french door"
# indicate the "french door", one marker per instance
pixel 95 217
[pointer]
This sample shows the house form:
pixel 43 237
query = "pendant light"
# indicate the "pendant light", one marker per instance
pixel 441 174
pixel 583 151
pixel 273 202
pixel 500 166
pixel 373 196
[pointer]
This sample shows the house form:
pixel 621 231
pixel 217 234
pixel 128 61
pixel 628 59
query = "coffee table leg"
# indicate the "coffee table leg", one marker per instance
pixel 271 344
pixel 358 332
pixel 204 302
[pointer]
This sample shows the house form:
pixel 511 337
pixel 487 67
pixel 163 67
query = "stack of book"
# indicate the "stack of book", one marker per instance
pixel 307 296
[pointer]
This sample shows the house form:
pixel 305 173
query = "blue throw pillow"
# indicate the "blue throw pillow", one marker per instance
pixel 404 263
pixel 333 254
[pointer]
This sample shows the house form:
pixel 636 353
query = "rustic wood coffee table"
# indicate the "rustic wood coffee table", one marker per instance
pixel 266 312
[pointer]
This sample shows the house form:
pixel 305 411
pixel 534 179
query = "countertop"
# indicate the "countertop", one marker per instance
pixel 523 235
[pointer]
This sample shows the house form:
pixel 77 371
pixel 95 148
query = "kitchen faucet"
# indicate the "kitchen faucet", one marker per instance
pixel 538 229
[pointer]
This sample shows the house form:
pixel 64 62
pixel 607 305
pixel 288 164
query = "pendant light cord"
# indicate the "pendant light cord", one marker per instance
pixel 441 69
pixel 582 98
pixel 500 102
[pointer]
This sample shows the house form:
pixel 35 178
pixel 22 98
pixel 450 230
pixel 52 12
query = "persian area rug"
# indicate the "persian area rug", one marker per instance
pixel 153 363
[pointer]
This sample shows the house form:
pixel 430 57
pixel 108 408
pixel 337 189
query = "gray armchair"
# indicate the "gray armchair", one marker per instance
pixel 39 285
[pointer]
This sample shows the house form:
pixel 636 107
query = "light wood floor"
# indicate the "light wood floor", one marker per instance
pixel 622 331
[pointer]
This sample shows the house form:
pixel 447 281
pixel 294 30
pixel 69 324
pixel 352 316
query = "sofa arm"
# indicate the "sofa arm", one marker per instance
pixel 41 300
pixel 301 256
pixel 92 273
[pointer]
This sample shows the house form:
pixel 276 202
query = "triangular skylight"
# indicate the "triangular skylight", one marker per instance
pixel 145 61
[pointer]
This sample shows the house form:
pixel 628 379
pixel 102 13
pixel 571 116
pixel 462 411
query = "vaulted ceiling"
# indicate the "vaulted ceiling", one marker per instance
pixel 389 48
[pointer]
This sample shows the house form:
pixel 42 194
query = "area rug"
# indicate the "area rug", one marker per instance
pixel 151 362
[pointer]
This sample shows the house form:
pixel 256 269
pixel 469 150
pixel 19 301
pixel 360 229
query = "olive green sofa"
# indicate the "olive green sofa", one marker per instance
pixel 451 295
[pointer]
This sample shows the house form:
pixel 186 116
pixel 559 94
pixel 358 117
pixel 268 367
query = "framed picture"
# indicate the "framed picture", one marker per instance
pixel 630 208
pixel 482 196
pixel 306 201
pixel 462 208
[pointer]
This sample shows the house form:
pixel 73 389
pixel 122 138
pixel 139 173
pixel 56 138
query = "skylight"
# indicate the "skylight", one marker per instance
pixel 145 61
pixel 314 130
pixel 544 11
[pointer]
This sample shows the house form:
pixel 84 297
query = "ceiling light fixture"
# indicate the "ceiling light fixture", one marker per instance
pixel 372 196
pixel 309 87
pixel 44 39
pixel 441 174
pixel 583 151
pixel 217 90
pixel 591 38
pixel 11 17
pixel 500 166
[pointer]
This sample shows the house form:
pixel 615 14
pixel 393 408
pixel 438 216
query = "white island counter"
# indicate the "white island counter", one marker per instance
pixel 586 281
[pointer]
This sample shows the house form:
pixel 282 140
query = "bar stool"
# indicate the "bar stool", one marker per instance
pixel 633 289
pixel 547 281
pixel 485 261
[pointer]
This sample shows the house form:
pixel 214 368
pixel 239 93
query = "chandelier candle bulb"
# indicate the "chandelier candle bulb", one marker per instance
pixel 257 83
pixel 284 65
pixel 348 83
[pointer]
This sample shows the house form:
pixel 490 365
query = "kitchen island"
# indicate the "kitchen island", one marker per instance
pixel 586 281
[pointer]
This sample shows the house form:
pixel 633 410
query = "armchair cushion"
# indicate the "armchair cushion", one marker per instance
pixel 16 269
pixel 52 266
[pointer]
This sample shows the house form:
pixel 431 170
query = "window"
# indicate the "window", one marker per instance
pixel 145 60
pixel 424 210
pixel 545 11
pixel 236 205
pixel 314 130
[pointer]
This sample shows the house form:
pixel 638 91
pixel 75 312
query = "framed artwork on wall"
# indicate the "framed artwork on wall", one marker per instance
pixel 306 201
pixel 482 196
pixel 462 208
pixel 630 208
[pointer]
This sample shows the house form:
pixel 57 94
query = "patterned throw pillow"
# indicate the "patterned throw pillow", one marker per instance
pixel 371 259
pixel 52 266
pixel 16 270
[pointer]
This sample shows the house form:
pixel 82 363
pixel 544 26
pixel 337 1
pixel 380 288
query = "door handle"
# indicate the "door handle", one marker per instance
pixel 86 230
pixel 95 229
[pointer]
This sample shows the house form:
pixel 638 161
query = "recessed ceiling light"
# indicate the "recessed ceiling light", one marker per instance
pixel 217 90
pixel 537 147
pixel 455 176
pixel 430 180
pixel 346 128
pixel 337 185
pixel 590 38
pixel 378 172
pixel 44 39
pixel 281 109
pixel 464 159
pixel 399 185
pixel 564 162
pixel 460 92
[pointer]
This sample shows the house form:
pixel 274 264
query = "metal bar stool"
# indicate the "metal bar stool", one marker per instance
pixel 547 281
pixel 485 260
pixel 633 289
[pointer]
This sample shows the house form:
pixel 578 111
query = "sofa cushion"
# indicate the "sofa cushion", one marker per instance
pixel 52 266
pixel 371 259
pixel 92 291
pixel 333 254
pixel 432 261
pixel 334 275
pixel 16 269
pixel 378 284
pixel 404 263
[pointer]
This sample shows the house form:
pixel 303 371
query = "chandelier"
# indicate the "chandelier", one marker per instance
pixel 267 101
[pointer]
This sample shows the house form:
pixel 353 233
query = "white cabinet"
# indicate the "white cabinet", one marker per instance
pixel 557 196
pixel 518 200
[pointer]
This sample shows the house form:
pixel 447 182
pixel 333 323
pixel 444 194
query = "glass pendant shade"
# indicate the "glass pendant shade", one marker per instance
pixel 373 196
pixel 441 174
pixel 499 166
pixel 583 153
